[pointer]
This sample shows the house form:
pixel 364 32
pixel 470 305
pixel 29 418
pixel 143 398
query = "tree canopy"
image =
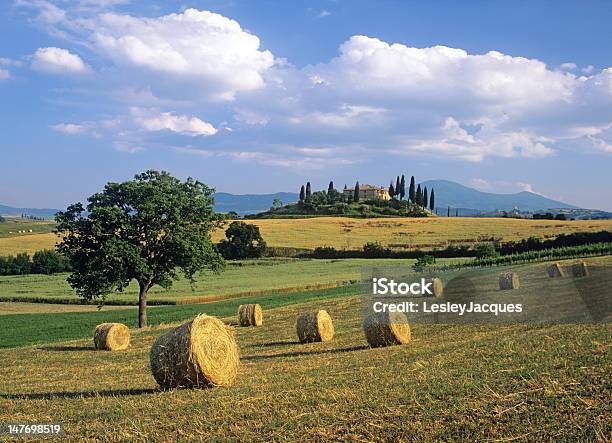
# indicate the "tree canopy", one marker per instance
pixel 149 229
pixel 243 241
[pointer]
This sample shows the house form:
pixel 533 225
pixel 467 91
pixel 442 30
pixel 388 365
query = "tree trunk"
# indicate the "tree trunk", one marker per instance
pixel 142 305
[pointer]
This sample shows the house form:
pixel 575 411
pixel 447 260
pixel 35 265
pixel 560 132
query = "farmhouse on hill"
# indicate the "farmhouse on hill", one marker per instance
pixel 369 192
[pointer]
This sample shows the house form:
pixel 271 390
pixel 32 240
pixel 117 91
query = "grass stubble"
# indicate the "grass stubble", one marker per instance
pixel 485 383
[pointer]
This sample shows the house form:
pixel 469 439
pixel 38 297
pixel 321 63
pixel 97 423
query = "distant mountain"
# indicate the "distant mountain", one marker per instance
pixel 250 203
pixel 458 196
pixel 16 212
pixel 469 200
pixel 224 202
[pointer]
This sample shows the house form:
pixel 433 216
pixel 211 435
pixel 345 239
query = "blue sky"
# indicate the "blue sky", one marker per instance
pixel 255 97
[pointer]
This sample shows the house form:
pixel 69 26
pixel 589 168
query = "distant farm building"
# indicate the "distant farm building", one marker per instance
pixel 369 192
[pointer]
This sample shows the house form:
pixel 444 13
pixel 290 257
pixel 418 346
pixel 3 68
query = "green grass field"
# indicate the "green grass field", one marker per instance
pixel 12 225
pixel 243 278
pixel 450 383
pixel 26 329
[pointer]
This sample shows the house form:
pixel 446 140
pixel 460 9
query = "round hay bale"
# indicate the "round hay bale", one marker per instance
pixel 437 287
pixel 111 337
pixel 386 329
pixel 580 269
pixel 555 271
pixel 250 315
pixel 314 326
pixel 201 353
pixel 509 280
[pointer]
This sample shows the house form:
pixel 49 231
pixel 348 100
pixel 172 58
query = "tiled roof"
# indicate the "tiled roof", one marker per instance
pixel 365 187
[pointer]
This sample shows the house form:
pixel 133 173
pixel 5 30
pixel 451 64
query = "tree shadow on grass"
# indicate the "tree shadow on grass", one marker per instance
pixel 67 348
pixel 83 394
pixel 299 354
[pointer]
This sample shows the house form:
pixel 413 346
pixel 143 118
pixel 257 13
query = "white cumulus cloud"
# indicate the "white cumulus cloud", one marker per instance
pixel 375 98
pixel 70 128
pixel 568 65
pixel 438 101
pixel 57 61
pixel 180 124
pixel 211 51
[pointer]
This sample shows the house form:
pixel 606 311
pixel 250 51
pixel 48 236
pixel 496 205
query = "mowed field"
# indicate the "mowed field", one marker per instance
pixel 451 382
pixel 244 278
pixel 353 233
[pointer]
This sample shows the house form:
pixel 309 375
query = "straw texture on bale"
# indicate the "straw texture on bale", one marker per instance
pixel 386 329
pixel 314 326
pixel 437 287
pixel 250 315
pixel 509 280
pixel 580 269
pixel 555 270
pixel 111 337
pixel 201 353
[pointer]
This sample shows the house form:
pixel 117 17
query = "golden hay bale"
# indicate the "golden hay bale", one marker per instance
pixel 201 353
pixel 437 287
pixel 250 315
pixel 314 326
pixel 555 270
pixel 386 329
pixel 509 280
pixel 111 337
pixel 580 269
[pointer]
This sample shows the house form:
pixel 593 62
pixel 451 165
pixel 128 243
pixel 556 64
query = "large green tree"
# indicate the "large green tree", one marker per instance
pixel 150 229
pixel 356 192
pixel 402 189
pixel 418 198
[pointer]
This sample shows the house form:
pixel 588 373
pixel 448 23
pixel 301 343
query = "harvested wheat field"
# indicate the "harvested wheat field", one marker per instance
pixel 448 383
pixel 353 233
pixel 407 233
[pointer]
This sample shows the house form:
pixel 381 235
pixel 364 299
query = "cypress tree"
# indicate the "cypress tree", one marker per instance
pixel 308 191
pixel 411 192
pixel 432 200
pixel 397 186
pixel 457 212
pixel 391 190
pixel 425 198
pixel 356 193
pixel 302 194
pixel 419 195
pixel 448 212
pixel 402 189
pixel 330 192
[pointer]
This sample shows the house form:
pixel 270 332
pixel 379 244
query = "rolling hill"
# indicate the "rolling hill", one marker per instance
pixel 453 194
pixel 250 203
pixel 17 212
pixel 448 193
